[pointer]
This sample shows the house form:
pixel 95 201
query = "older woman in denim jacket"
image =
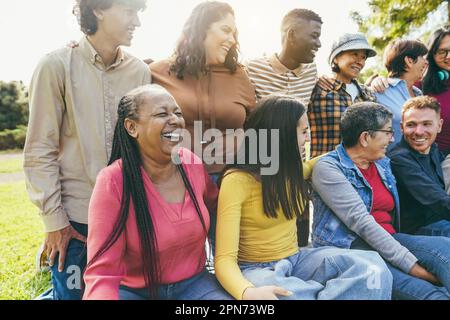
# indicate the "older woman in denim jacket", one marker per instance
pixel 356 206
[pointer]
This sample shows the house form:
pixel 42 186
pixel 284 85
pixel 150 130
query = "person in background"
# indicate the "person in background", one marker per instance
pixel 149 211
pixel 257 254
pixel 347 59
pixel 207 81
pixel 436 82
pixel 416 163
pixel 406 63
pixel 70 132
pixel 292 72
pixel 209 84
pixel 356 206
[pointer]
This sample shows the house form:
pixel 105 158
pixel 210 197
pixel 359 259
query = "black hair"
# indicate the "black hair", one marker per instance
pixel 294 15
pixel 432 84
pixel 287 189
pixel 126 148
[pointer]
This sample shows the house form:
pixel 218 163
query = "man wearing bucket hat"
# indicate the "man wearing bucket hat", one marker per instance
pixel 347 59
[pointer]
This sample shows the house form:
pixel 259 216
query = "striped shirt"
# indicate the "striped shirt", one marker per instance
pixel 270 76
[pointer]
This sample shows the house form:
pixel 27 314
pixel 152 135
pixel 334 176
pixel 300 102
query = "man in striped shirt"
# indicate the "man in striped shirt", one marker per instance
pixel 292 71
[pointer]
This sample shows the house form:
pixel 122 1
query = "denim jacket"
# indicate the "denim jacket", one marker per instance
pixel 328 229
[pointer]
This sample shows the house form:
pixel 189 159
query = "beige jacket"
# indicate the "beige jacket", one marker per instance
pixel 73 107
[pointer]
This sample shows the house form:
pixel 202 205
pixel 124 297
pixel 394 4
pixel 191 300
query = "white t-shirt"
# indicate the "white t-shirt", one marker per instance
pixel 352 90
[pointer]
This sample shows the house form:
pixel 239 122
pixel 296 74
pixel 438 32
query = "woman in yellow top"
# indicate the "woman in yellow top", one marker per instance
pixel 257 256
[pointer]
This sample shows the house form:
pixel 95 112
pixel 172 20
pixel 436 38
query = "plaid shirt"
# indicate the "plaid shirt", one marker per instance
pixel 325 111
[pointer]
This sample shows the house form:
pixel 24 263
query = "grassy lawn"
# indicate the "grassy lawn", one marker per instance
pixel 11 151
pixel 10 166
pixel 21 233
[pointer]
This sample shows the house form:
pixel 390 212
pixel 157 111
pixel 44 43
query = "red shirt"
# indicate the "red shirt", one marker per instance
pixel 382 202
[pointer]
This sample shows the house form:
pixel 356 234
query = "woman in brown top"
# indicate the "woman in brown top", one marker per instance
pixel 208 83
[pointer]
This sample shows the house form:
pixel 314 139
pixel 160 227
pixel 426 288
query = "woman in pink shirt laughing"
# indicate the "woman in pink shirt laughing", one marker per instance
pixel 149 215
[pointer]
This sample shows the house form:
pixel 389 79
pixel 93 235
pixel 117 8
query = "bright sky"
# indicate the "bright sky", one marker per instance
pixel 29 29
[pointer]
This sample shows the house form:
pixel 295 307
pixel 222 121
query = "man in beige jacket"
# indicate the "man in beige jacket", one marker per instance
pixel 74 94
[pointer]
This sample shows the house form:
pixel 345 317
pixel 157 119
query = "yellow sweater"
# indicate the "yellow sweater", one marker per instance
pixel 245 234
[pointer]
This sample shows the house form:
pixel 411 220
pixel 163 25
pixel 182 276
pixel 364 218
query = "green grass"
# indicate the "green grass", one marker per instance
pixel 11 151
pixel 11 165
pixel 21 233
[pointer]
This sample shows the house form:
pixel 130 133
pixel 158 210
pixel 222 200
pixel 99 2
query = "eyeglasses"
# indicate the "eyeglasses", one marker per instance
pixel 391 132
pixel 442 53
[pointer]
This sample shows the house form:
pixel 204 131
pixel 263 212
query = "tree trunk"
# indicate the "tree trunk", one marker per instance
pixel 448 11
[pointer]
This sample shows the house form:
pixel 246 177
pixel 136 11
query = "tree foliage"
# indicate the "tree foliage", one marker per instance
pixel 390 19
pixel 13 105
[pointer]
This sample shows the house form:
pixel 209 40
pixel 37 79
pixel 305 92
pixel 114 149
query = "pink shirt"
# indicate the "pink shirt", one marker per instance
pixel 181 239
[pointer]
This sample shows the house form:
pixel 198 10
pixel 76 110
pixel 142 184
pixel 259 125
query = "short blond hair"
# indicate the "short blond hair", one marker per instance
pixel 422 102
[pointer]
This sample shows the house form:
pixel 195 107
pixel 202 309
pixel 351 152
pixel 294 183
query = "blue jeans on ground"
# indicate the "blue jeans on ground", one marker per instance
pixel 203 286
pixel 433 254
pixel 68 283
pixel 212 230
pixel 325 273
pixel 440 228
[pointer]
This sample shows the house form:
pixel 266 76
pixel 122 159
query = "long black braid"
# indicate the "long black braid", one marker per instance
pixel 125 147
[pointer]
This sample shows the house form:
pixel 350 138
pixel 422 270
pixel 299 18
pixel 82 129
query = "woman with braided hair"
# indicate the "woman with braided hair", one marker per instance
pixel 148 216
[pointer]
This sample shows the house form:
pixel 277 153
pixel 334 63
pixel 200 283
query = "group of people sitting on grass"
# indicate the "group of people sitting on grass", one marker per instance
pixel 198 177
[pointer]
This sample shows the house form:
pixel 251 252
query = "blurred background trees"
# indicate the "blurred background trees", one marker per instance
pixel 13 114
pixel 392 19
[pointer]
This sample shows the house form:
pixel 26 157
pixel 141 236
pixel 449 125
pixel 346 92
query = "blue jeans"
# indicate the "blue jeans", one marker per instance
pixel 68 283
pixel 212 227
pixel 433 254
pixel 325 273
pixel 440 228
pixel 203 286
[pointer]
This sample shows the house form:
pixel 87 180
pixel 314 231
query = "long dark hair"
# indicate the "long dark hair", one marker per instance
pixel 190 51
pixel 431 82
pixel 126 148
pixel 287 188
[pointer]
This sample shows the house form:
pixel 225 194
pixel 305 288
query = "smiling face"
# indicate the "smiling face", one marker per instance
pixel 219 39
pixel 117 23
pixel 158 128
pixel 420 128
pixel 303 135
pixel 350 64
pixel 442 55
pixel 304 41
pixel 378 142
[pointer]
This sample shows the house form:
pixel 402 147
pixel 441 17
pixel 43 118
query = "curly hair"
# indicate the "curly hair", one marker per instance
pixel 190 51
pixel 84 11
